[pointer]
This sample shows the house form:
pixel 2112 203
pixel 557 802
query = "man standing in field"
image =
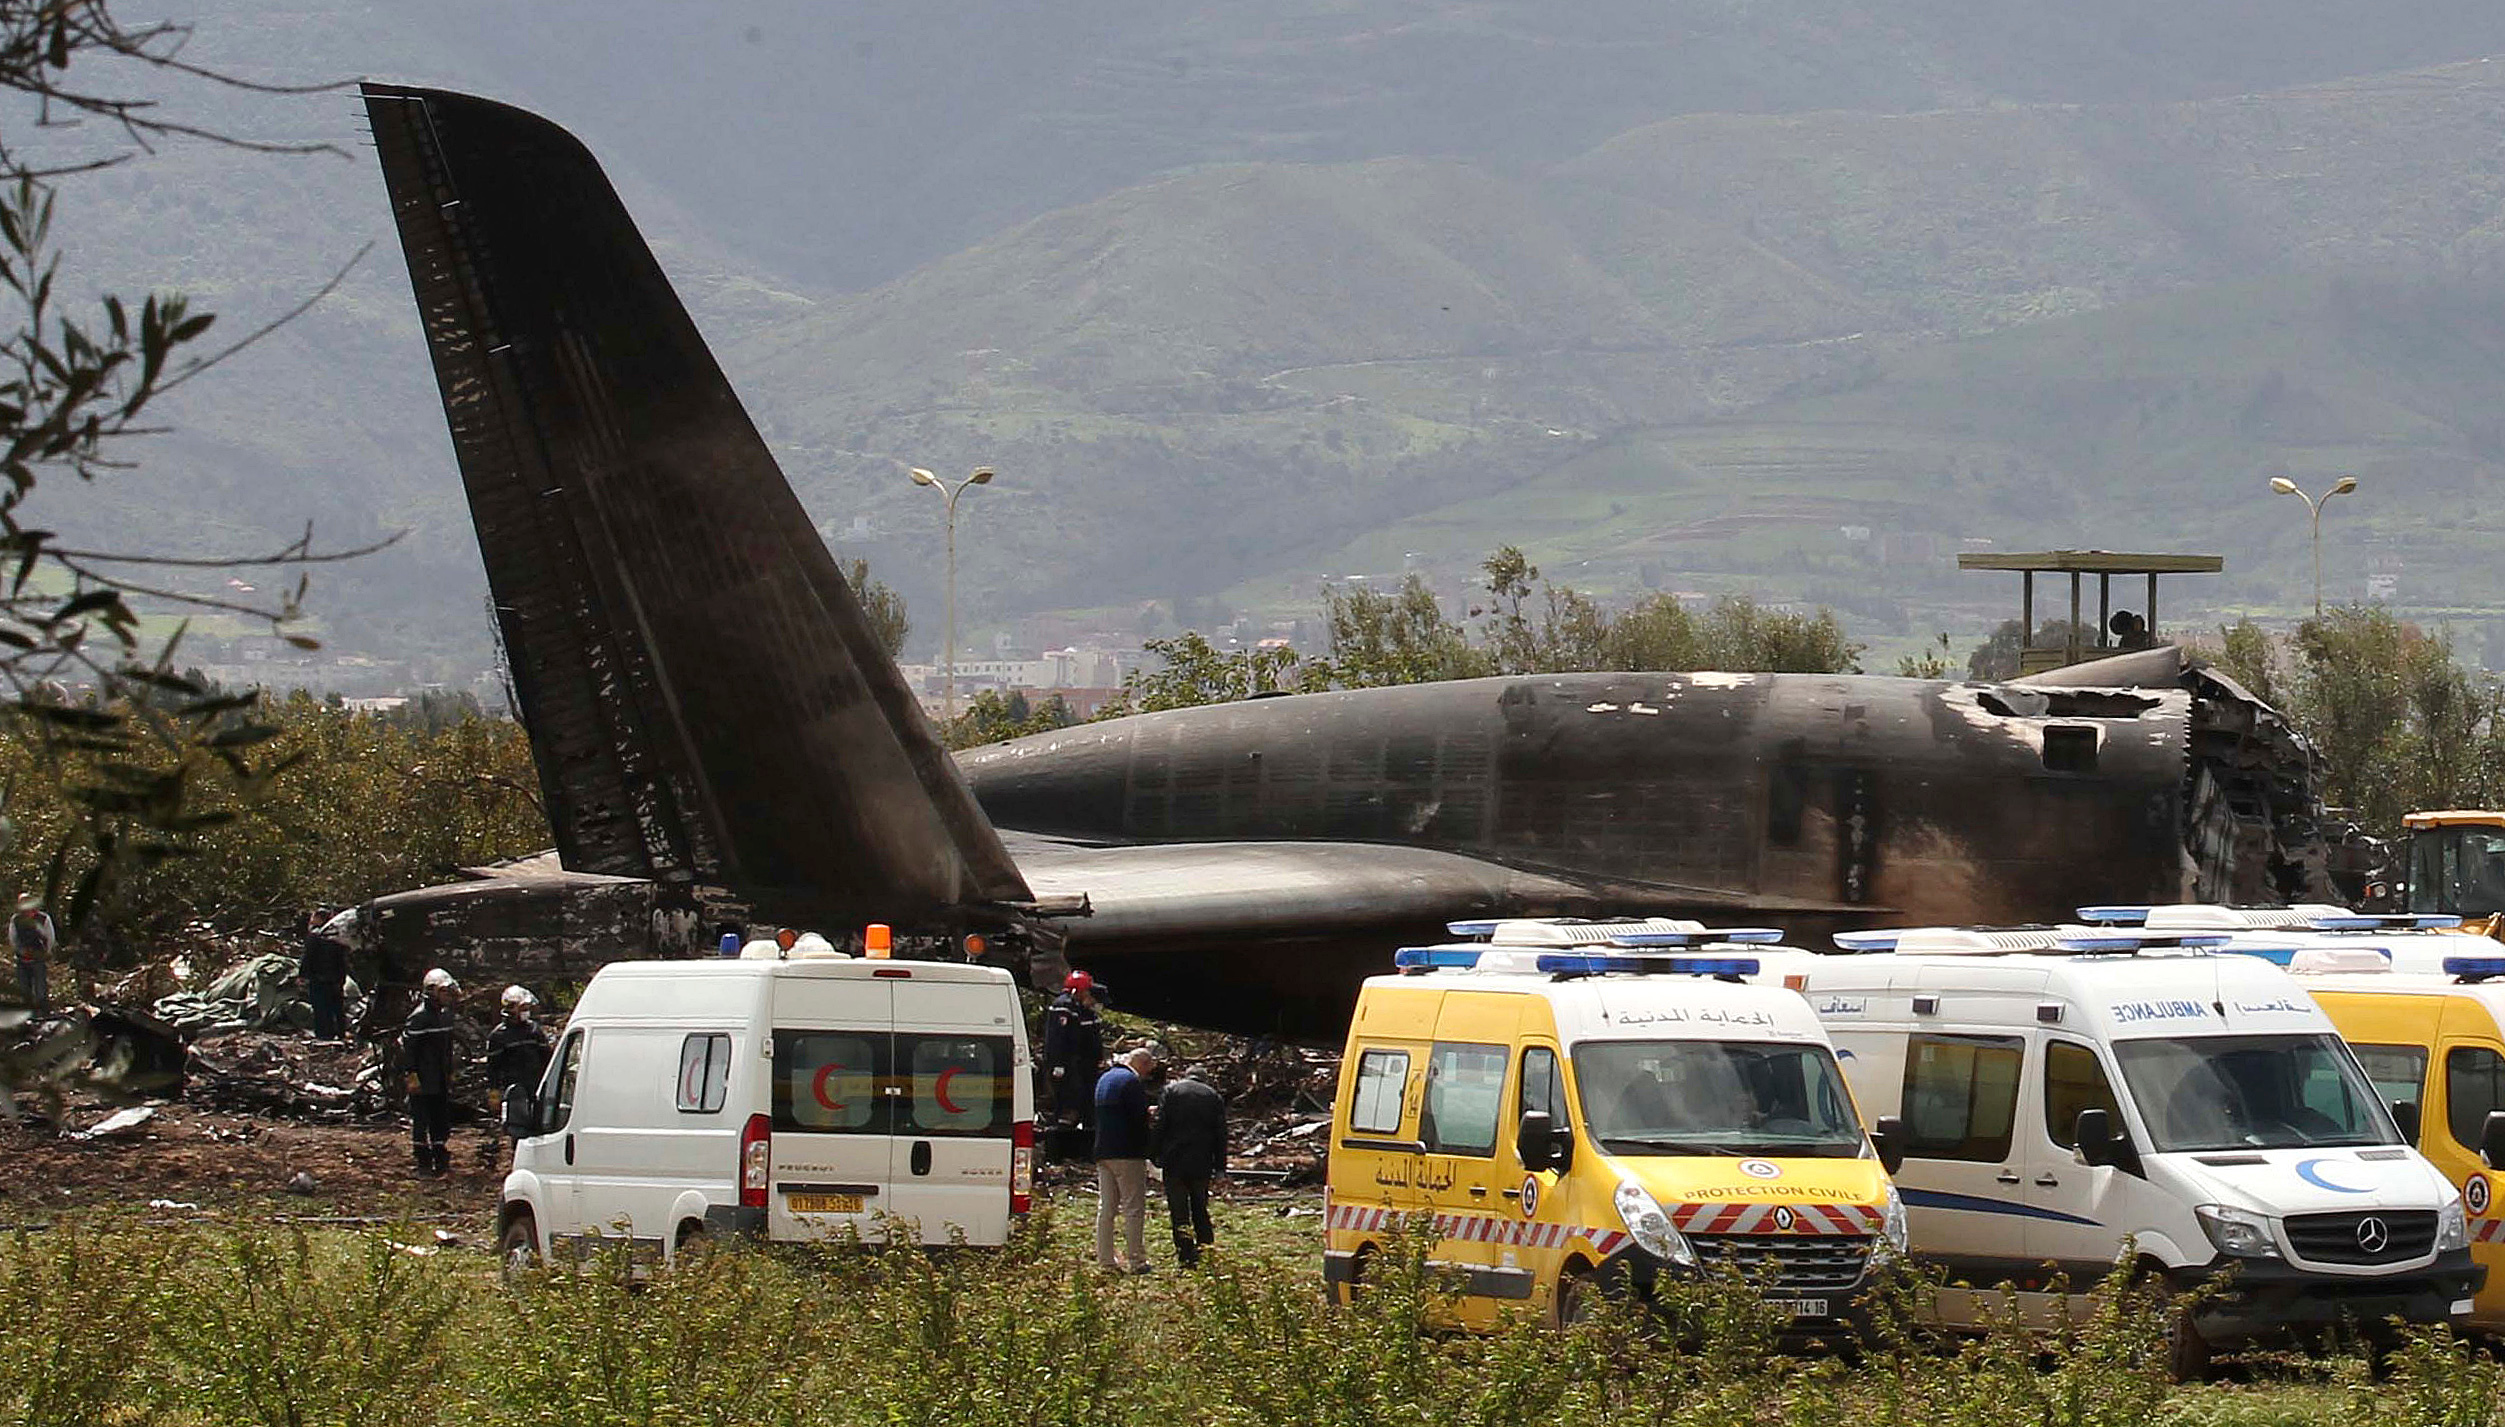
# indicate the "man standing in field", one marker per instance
pixel 1074 1050
pixel 517 1055
pixel 426 1049
pixel 1122 1159
pixel 31 937
pixel 1189 1144
pixel 323 967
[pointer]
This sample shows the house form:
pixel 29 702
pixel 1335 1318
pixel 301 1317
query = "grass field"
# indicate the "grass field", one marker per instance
pixel 106 1320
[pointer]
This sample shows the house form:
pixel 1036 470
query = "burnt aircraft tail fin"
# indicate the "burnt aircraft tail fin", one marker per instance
pixel 706 701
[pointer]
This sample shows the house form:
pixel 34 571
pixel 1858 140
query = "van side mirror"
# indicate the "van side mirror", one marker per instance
pixel 1887 1136
pixel 2405 1115
pixel 1535 1139
pixel 2492 1140
pixel 2093 1134
pixel 521 1111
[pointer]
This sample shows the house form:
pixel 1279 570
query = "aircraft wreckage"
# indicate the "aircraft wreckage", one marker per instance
pixel 714 720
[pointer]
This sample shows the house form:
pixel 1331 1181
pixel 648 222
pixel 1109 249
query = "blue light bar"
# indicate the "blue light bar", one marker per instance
pixel 1706 937
pixel 1436 958
pixel 2114 916
pixel 2369 922
pixel 1602 964
pixel 1477 928
pixel 2134 940
pixel 2474 966
pixel 1867 941
pixel 2275 955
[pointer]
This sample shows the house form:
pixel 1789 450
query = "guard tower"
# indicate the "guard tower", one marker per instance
pixel 2039 653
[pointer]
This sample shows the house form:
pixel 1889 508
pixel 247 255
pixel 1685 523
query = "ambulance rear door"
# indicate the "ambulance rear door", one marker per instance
pixel 833 1109
pixel 954 1105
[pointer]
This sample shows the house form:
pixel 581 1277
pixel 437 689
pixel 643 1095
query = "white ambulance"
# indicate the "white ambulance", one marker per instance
pixel 788 1094
pixel 2065 1090
pixel 2407 941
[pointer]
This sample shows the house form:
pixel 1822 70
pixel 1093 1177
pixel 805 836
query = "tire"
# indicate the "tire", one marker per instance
pixel 517 1248
pixel 2187 1352
pixel 694 1245
pixel 1358 1263
pixel 1576 1295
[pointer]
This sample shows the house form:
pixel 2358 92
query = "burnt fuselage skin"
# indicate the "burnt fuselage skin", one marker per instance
pixel 1815 802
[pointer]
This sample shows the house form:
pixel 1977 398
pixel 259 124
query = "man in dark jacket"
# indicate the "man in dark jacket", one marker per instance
pixel 1189 1144
pixel 1122 1159
pixel 1074 1050
pixel 323 967
pixel 517 1056
pixel 426 1049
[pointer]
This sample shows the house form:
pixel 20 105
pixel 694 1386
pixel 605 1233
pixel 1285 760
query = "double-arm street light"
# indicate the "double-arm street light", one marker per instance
pixel 948 654
pixel 2283 486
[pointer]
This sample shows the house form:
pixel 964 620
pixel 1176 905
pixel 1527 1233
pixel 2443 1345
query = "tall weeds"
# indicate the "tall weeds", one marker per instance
pixel 114 1324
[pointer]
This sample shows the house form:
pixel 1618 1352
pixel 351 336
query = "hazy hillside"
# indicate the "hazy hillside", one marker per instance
pixel 1214 379
pixel 1233 297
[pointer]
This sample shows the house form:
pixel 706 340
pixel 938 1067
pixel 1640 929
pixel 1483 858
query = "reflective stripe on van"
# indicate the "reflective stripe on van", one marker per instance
pixel 1481 1229
pixel 1776 1219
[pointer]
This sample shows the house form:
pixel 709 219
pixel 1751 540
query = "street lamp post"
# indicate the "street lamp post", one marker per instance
pixel 2283 486
pixel 948 655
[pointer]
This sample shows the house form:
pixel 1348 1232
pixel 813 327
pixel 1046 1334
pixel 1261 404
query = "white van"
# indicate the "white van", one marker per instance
pixel 2406 941
pixel 2063 1090
pixel 793 1098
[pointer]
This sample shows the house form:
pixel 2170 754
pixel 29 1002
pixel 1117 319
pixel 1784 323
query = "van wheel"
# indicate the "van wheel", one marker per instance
pixel 517 1248
pixel 2187 1352
pixel 695 1245
pixel 1575 1298
pixel 1358 1264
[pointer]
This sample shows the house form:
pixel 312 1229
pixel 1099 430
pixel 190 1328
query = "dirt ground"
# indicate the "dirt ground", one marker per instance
pixel 186 1159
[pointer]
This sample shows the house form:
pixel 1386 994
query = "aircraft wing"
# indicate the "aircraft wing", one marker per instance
pixel 1160 892
pixel 1274 937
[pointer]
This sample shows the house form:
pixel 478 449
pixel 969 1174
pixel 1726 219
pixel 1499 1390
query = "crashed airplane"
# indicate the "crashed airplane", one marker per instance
pixel 709 708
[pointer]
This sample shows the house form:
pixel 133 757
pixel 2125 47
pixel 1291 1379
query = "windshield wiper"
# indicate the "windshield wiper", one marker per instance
pixel 1643 1142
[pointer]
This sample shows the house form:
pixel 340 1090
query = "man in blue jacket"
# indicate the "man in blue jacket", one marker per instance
pixel 1122 1159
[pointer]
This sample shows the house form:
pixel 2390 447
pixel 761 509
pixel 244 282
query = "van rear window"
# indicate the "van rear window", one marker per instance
pixel 956 1085
pixel 920 1085
pixel 827 1082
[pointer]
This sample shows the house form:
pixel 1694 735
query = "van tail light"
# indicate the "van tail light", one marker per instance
pixel 1022 1167
pixel 756 1161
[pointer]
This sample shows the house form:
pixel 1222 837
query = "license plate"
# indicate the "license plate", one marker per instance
pixel 823 1203
pixel 1799 1307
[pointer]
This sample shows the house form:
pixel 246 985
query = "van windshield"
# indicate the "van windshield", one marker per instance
pixel 2252 1092
pixel 1715 1098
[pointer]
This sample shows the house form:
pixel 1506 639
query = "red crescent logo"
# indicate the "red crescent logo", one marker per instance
pixel 817 1087
pixel 939 1092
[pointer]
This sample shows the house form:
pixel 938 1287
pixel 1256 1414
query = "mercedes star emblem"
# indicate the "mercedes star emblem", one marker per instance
pixel 2372 1236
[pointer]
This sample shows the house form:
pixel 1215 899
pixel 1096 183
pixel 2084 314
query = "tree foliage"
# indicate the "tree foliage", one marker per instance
pixel 1198 672
pixel 995 717
pixel 1529 625
pixel 883 605
pixel 116 758
pixel 2397 723
pixel 1931 663
pixel 364 803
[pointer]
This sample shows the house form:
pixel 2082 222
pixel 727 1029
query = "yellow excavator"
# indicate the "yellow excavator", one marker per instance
pixel 2456 865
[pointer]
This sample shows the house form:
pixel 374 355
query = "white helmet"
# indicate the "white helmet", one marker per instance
pixel 519 996
pixel 440 980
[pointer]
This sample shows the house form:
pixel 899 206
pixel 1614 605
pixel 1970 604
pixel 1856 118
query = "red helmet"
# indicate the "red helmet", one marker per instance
pixel 1078 981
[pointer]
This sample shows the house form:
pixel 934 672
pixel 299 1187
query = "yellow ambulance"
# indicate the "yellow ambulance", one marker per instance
pixel 1575 1107
pixel 2435 1044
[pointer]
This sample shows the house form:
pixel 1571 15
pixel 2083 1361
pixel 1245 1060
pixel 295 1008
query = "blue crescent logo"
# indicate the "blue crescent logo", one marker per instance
pixel 2311 1172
